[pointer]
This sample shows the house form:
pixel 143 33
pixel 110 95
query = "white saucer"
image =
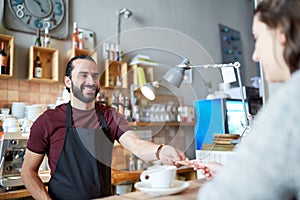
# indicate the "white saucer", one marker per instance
pixel 177 187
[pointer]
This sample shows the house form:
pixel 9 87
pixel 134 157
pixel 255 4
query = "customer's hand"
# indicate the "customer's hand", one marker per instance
pixel 208 169
pixel 169 155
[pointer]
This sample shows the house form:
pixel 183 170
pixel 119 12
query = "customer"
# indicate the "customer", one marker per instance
pixel 266 164
pixel 78 139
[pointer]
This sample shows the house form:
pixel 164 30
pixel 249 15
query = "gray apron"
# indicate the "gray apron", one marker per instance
pixel 83 170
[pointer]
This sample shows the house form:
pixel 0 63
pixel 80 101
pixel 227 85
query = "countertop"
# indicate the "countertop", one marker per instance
pixel 117 177
pixel 188 194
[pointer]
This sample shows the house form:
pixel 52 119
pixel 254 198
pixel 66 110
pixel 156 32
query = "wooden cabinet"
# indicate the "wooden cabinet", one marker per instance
pixel 76 52
pixel 114 72
pixel 137 72
pixel 9 49
pixel 49 62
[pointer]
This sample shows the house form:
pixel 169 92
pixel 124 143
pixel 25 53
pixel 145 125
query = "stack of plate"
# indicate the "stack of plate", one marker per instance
pixel 225 138
pixel 18 109
pixel 32 112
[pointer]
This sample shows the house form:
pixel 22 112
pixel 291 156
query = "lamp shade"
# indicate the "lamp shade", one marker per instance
pixel 148 91
pixel 175 76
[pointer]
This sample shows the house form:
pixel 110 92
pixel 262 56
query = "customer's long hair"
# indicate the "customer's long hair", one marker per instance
pixel 284 14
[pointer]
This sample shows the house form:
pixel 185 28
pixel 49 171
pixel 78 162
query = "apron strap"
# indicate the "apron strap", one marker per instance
pixel 69 116
pixel 101 117
pixel 105 128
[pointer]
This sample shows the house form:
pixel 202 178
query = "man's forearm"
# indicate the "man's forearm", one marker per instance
pixel 35 186
pixel 145 150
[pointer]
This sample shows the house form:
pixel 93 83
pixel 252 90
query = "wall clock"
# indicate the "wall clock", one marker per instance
pixel 30 15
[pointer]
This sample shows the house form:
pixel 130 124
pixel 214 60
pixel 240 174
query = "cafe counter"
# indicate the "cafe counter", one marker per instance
pixel 118 177
pixel 189 193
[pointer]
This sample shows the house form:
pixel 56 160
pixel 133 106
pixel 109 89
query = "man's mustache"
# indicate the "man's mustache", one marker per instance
pixel 89 86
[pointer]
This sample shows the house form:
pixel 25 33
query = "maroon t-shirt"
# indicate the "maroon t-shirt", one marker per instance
pixel 49 130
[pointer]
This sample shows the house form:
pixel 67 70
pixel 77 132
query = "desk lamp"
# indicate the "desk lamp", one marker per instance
pixel 127 13
pixel 147 90
pixel 175 77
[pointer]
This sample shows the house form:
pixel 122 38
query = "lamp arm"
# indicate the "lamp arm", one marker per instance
pixel 186 65
pixel 119 29
pixel 235 65
pixel 242 96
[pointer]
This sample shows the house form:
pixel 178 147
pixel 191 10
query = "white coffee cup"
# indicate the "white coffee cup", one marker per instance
pixel 10 125
pixel 25 124
pixel 25 129
pixel 161 176
pixel 5 111
pixel 10 122
pixel 12 129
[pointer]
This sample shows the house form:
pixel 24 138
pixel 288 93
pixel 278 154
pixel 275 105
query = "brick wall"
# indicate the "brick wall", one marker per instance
pixel 12 90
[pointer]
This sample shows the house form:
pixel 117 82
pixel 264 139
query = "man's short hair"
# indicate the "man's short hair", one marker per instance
pixel 70 65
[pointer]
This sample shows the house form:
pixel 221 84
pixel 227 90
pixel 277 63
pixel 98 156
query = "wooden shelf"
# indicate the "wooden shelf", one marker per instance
pixel 9 49
pixel 112 70
pixel 49 60
pixel 141 124
pixel 133 73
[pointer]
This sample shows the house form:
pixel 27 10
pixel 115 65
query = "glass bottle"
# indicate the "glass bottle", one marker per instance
pixel 106 51
pixel 121 103
pixel 3 60
pixel 102 98
pixel 118 52
pixel 132 162
pixel 81 41
pixel 114 103
pixel 135 109
pixel 118 82
pixel 112 52
pixel 75 39
pixel 38 41
pixel 38 66
pixel 47 38
pixel 127 111
pixel 111 80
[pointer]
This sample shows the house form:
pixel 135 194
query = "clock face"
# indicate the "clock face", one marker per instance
pixel 29 15
pixel 38 14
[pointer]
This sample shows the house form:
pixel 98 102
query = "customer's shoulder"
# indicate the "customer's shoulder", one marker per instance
pixel 291 88
pixel 295 78
pixel 287 98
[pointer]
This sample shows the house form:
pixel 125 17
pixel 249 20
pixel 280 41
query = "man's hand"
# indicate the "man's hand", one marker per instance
pixel 170 155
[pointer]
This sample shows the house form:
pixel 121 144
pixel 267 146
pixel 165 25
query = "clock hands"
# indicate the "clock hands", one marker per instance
pixel 40 5
pixel 53 19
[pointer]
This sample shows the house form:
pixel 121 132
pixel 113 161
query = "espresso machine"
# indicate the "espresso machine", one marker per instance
pixel 12 151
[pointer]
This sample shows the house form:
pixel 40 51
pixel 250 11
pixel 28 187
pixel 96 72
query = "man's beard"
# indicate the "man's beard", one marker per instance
pixel 77 92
